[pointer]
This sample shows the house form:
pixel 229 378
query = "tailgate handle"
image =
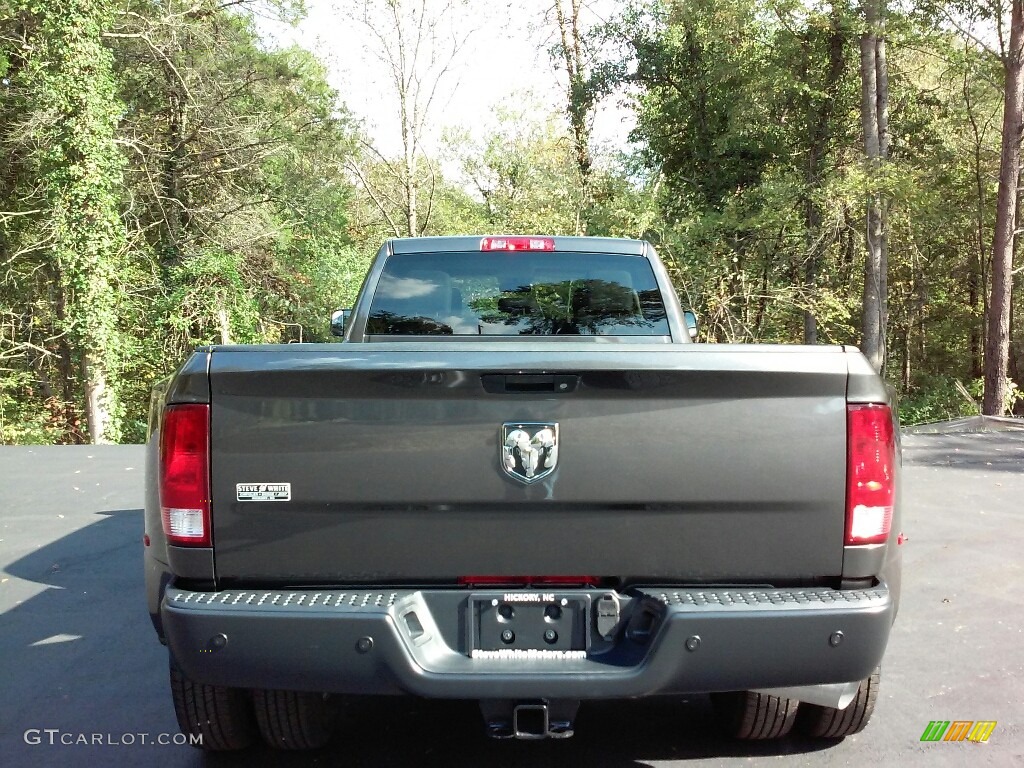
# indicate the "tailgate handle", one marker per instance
pixel 525 383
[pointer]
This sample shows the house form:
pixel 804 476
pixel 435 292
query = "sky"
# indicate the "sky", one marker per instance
pixel 505 60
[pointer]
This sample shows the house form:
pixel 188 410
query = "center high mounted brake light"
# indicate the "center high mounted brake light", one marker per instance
pixel 517 244
pixel 185 475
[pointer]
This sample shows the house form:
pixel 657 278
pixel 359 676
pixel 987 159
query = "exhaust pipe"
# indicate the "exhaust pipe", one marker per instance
pixel 529 720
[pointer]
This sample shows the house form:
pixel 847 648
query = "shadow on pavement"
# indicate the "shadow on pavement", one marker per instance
pixel 82 657
pixel 398 732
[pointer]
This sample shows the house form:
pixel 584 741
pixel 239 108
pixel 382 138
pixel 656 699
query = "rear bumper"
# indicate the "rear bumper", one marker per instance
pixel 670 640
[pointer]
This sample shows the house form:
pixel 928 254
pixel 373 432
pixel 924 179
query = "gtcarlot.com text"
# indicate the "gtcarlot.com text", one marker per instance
pixel 56 737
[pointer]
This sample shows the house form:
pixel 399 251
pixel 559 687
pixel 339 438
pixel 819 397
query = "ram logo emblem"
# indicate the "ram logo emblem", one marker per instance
pixel 529 451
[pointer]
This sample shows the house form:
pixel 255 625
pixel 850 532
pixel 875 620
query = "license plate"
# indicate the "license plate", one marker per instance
pixel 529 622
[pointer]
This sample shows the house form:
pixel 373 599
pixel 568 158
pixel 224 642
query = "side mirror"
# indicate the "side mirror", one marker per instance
pixel 339 319
pixel 690 318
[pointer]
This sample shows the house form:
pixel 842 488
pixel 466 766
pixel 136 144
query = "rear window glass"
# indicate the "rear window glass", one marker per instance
pixel 517 294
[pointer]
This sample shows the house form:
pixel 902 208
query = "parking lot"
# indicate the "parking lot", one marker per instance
pixel 78 657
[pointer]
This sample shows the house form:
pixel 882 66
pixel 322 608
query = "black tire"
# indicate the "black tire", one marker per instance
pixel 751 716
pixel 221 717
pixel 830 723
pixel 293 719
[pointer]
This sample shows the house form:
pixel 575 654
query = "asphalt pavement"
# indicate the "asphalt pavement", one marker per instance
pixel 83 680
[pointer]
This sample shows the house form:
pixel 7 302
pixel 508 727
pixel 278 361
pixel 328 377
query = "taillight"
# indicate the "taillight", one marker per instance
pixel 870 473
pixel 185 475
pixel 517 244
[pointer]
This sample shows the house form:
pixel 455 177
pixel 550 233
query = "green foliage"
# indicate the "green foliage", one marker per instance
pixel 170 181
pixel 709 114
pixel 937 398
pixel 70 178
pixel 21 421
pixel 248 146
pixel 748 120
pixel 518 171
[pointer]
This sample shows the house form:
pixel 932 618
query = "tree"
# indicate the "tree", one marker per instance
pixel 998 313
pixel 997 343
pixel 742 116
pixel 417 42
pixel 519 171
pixel 820 109
pixel 171 183
pixel 586 84
pixel 875 119
pixel 198 186
pixel 69 224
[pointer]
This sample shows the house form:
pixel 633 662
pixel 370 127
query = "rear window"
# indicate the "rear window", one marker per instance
pixel 517 294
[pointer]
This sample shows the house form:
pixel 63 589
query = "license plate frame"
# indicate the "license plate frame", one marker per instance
pixel 529 615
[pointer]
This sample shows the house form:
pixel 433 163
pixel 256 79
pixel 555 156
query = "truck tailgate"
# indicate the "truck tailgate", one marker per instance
pixel 687 463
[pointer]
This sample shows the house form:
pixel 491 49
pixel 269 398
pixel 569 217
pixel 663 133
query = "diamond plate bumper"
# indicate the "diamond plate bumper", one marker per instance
pixel 670 640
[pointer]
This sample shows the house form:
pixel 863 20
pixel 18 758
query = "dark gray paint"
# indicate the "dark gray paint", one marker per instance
pixel 679 463
pixel 192 563
pixel 676 462
pixel 763 645
pixel 191 384
pixel 865 386
pixel 157 571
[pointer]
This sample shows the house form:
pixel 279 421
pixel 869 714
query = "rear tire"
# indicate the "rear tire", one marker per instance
pixel 753 716
pixel 221 717
pixel 830 723
pixel 292 719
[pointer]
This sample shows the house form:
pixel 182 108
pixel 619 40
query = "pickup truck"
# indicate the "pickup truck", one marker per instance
pixel 519 481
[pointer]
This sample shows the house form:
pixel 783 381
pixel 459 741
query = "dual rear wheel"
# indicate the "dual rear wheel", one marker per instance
pixel 221 719
pixel 752 716
pixel 830 723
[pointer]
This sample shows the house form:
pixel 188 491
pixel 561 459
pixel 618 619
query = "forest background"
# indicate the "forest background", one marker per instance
pixel 811 172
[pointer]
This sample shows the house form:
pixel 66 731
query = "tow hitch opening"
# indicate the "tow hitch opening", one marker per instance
pixel 544 719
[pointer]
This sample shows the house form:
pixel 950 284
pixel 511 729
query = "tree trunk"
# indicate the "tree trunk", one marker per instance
pixel 874 119
pixel 976 265
pixel 412 195
pixel 977 331
pixel 905 375
pixel 882 112
pixel 412 187
pixel 869 119
pixel 225 325
pixel 811 282
pixel 70 410
pixel 997 343
pixel 87 245
pixel 1016 350
pixel 579 103
pixel 174 204
pixel 413 40
pixel 812 217
pixel 96 414
pixel 820 121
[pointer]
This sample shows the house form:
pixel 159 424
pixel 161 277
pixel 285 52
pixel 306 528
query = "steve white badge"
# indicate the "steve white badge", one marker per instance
pixel 529 451
pixel 263 491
